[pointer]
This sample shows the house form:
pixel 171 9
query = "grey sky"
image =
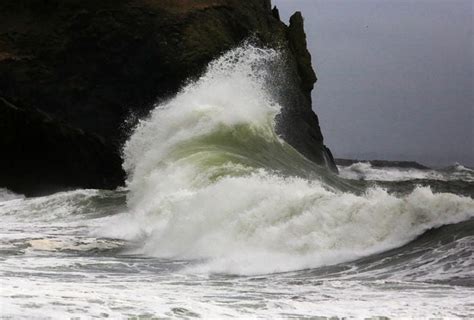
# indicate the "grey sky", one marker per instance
pixel 395 77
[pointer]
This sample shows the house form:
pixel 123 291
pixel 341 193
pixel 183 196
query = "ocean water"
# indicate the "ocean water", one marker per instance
pixel 221 218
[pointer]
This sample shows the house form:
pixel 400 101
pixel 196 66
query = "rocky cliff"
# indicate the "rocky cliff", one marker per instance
pixel 90 65
pixel 43 155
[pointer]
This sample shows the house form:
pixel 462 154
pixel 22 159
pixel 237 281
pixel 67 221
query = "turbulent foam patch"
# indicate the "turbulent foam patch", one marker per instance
pixel 264 223
pixel 209 179
pixel 7 195
pixel 365 171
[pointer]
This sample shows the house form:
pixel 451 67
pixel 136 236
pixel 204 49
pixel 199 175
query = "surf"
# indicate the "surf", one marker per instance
pixel 211 181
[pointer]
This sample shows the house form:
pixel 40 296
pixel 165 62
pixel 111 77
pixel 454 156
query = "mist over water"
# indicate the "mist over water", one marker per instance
pixel 221 217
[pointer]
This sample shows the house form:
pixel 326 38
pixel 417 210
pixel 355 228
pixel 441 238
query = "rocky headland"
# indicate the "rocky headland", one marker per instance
pixel 73 71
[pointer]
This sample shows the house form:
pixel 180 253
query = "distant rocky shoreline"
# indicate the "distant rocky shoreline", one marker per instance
pixel 384 163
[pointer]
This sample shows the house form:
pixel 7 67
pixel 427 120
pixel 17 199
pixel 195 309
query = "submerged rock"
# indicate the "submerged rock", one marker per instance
pixel 95 64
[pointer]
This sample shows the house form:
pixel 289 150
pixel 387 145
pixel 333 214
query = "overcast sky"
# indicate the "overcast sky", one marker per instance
pixel 395 77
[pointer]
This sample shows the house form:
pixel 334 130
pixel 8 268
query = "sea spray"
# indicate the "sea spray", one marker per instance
pixel 209 179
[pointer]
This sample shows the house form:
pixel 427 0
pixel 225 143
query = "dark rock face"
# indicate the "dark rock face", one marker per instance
pixel 91 64
pixel 43 155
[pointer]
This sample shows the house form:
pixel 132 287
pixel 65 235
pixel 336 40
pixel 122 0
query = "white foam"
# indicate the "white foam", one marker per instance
pixel 52 207
pixel 365 171
pixel 263 223
pixel 145 295
pixel 7 195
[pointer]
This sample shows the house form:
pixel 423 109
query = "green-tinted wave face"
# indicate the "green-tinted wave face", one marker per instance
pixel 241 149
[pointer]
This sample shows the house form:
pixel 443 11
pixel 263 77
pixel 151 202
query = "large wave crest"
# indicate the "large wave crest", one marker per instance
pixel 209 179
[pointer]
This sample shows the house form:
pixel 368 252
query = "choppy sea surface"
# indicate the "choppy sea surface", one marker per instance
pixel 221 218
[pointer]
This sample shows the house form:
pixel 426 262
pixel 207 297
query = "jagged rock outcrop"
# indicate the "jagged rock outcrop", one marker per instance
pixel 92 64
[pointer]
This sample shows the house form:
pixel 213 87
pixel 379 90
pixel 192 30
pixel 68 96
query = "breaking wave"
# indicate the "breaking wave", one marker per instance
pixel 209 179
